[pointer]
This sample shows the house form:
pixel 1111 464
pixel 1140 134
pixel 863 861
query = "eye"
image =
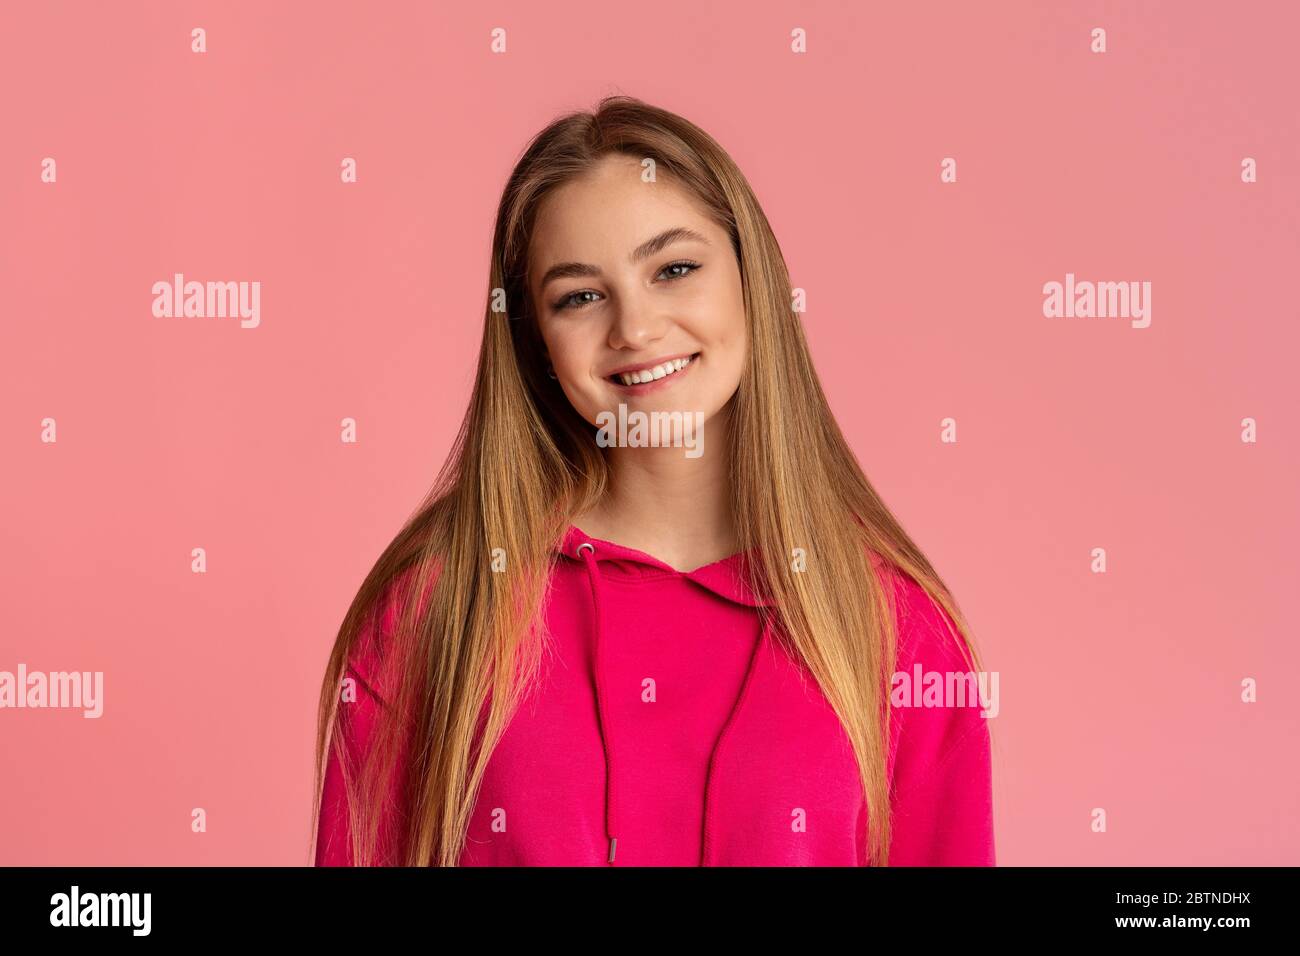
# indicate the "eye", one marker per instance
pixel 573 300
pixel 684 264
pixel 568 301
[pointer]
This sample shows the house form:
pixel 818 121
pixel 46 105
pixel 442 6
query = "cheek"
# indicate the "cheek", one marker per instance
pixel 730 307
pixel 729 330
pixel 573 351
pixel 559 345
pixel 572 354
pixel 733 340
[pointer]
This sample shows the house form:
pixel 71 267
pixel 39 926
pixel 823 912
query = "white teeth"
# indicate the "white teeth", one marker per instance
pixel 651 374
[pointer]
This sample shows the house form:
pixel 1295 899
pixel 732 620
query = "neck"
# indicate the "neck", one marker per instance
pixel 672 507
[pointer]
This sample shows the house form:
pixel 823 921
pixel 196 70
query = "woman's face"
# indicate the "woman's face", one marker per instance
pixel 629 280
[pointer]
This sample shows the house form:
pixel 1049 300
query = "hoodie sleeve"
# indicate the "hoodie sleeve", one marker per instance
pixel 941 788
pixel 353 732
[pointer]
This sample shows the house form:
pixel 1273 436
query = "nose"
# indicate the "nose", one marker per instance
pixel 636 323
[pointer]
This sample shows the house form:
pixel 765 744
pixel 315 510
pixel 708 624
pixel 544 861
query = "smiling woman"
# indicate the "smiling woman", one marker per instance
pixel 585 652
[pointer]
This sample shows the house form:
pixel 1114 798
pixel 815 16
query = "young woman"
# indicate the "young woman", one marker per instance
pixel 588 649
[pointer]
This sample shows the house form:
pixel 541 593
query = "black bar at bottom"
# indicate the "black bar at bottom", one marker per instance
pixel 212 905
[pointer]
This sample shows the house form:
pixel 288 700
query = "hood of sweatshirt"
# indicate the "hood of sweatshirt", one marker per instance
pixel 726 578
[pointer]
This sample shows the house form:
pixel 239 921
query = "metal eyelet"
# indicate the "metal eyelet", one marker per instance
pixel 588 545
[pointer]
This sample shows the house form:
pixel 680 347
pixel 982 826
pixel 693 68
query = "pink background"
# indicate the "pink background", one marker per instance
pixel 1119 691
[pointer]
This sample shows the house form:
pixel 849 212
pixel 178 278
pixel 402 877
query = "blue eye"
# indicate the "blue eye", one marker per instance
pixel 568 301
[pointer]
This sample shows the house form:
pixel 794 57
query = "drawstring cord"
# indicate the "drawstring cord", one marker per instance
pixel 706 843
pixel 587 551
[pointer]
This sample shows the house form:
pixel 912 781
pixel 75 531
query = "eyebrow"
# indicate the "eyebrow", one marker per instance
pixel 568 270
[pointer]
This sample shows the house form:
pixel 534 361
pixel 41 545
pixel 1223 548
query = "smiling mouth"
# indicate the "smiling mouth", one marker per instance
pixel 652 373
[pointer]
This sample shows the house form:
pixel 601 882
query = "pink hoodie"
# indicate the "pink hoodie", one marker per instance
pixel 671 729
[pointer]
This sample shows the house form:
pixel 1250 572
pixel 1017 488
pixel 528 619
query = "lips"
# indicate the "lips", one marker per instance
pixel 653 371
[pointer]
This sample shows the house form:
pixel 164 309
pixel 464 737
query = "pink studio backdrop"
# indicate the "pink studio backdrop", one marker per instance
pixel 1119 690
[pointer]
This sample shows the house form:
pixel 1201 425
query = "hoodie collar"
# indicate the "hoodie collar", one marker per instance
pixel 727 578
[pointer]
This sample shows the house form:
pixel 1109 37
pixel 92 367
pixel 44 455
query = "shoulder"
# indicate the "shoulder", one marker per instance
pixel 936 697
pixel 370 658
pixel 927 633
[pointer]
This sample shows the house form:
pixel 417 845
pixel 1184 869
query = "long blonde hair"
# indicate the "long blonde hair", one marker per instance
pixel 524 463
